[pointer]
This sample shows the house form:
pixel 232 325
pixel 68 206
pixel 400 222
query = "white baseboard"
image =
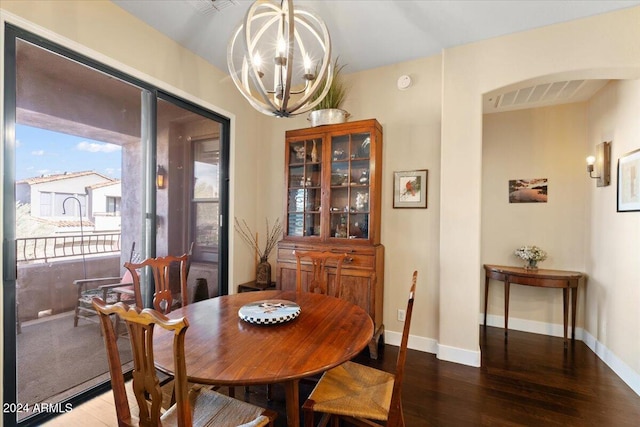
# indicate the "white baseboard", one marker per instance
pixel 624 371
pixel 429 345
pixel 459 355
pixel 543 328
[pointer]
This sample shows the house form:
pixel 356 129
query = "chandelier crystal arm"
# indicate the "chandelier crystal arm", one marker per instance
pixel 288 67
pixel 272 18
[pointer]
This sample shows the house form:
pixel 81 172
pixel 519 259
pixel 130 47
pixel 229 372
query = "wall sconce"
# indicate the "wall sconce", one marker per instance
pixel 161 177
pixel 602 163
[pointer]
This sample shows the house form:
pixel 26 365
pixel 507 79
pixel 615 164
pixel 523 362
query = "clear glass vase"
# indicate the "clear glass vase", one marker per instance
pixel 531 264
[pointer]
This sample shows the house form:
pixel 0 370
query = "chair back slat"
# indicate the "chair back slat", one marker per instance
pixel 396 416
pixel 318 281
pixel 146 385
pixel 161 268
pixel 123 412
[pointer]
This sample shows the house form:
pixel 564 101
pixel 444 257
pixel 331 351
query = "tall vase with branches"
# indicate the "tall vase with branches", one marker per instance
pixel 273 233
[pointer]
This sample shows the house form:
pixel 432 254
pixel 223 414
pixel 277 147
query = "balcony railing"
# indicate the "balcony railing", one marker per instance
pixel 51 247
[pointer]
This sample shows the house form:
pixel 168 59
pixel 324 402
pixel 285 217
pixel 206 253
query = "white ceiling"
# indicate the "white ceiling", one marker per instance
pixel 372 33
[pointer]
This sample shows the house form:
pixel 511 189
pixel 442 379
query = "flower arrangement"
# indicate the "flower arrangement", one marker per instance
pixel 531 253
pixel 273 235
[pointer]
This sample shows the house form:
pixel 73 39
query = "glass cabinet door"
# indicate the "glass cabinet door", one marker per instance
pixel 349 189
pixel 304 188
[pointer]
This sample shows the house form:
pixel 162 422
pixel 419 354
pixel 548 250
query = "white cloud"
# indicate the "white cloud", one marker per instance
pixel 93 147
pixel 111 171
pixel 37 153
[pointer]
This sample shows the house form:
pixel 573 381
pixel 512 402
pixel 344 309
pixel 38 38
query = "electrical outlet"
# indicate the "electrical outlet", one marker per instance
pixel 401 314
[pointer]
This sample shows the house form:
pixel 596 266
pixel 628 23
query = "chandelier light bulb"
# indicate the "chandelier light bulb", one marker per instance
pixel 292 84
pixel 281 58
pixel 308 75
pixel 257 63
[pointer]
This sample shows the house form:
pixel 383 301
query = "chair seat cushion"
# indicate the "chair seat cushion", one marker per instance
pixel 213 409
pixel 112 297
pixel 354 390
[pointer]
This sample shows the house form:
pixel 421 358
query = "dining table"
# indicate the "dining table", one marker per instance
pixel 224 350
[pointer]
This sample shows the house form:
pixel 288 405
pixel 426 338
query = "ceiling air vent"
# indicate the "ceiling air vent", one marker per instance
pixel 206 7
pixel 542 93
pixel 532 95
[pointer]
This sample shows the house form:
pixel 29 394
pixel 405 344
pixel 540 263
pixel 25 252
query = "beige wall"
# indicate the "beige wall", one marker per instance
pixel 436 125
pixel 605 46
pixel 613 249
pixel 535 143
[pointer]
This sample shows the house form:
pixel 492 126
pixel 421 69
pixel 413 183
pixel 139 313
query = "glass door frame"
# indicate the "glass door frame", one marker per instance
pixel 151 94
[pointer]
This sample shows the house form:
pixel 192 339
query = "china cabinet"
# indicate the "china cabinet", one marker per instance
pixel 333 187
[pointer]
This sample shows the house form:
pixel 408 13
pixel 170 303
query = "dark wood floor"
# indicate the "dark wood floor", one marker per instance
pixel 528 381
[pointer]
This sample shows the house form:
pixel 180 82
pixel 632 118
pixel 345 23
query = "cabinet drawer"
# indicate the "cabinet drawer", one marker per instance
pixel 354 258
pixel 358 260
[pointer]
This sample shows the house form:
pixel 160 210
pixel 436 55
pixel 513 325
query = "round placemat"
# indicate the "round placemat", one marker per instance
pixel 269 312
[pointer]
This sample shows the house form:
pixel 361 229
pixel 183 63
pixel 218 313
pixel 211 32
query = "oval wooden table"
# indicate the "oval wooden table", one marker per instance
pixel 222 349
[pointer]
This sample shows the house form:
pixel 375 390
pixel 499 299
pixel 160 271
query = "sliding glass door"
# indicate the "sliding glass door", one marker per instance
pixel 83 147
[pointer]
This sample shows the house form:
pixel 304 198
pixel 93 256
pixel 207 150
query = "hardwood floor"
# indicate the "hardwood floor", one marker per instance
pixel 528 381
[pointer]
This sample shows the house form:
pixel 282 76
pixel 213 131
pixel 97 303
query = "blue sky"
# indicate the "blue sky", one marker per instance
pixel 40 151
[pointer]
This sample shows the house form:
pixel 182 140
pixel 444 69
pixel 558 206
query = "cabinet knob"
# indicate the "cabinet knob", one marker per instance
pixel 348 260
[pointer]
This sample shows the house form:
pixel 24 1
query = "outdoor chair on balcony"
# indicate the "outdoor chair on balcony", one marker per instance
pixel 110 289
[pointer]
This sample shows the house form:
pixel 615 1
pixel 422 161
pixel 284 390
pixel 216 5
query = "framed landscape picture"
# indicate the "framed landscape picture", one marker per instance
pixel 629 182
pixel 410 189
pixel 528 190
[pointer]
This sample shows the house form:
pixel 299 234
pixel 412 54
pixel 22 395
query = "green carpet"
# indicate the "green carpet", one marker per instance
pixel 54 357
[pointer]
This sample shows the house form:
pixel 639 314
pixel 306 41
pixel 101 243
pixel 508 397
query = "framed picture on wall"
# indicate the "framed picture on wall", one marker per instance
pixel 629 182
pixel 528 190
pixel 410 189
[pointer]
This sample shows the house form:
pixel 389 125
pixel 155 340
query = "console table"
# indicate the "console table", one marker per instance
pixel 566 280
pixel 253 287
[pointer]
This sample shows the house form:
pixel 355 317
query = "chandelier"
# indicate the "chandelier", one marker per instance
pixel 280 58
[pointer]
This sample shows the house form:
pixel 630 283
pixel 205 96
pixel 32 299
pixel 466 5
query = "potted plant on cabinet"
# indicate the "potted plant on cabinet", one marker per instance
pixel 329 111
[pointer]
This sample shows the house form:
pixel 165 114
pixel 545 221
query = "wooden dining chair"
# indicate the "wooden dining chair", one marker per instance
pixel 165 298
pixel 361 395
pixel 318 280
pixel 196 407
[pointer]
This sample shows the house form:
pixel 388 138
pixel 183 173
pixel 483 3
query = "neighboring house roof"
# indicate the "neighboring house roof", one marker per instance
pixel 104 184
pixel 67 175
pixel 67 223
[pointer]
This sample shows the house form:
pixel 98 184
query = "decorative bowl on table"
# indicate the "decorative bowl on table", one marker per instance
pixel 269 312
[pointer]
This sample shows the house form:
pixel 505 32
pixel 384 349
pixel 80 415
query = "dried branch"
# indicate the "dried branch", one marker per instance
pixel 273 236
